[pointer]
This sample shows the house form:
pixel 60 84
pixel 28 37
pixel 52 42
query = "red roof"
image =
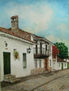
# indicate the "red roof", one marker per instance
pixel 20 33
pixel 41 39
pixel 55 51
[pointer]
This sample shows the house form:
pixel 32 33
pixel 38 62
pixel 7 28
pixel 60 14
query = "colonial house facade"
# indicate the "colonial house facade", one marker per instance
pixel 23 53
pixel 42 54
pixel 16 51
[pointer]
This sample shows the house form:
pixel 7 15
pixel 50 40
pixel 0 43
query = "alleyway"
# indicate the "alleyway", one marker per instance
pixel 54 81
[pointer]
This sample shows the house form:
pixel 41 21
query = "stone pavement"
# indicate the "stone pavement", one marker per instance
pixel 54 81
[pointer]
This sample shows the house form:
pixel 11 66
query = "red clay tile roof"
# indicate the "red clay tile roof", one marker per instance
pixel 20 33
pixel 41 38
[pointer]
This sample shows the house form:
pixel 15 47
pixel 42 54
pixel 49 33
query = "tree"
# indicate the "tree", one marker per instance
pixel 63 50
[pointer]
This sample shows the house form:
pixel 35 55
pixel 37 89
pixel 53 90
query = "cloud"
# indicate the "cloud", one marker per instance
pixel 62 27
pixel 53 38
pixel 36 16
pixel 39 18
pixel 57 39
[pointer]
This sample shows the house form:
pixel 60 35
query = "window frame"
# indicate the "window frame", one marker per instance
pixel 25 60
pixel 39 63
pixel 36 64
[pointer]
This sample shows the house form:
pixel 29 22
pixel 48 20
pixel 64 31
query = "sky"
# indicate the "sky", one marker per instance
pixel 46 18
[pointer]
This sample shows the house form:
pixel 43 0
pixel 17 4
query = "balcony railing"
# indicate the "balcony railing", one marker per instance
pixel 42 51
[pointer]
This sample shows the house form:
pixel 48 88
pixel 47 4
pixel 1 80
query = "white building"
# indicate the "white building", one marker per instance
pixel 16 51
pixel 59 65
pixel 62 64
pixel 42 54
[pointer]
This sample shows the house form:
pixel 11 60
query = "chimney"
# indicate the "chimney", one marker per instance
pixel 14 23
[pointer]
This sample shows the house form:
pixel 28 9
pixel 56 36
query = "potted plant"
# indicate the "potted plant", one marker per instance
pixel 16 54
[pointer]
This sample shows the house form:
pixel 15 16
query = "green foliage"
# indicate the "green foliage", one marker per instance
pixel 63 50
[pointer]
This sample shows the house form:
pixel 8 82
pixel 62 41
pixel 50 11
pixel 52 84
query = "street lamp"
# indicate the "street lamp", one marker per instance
pixel 29 50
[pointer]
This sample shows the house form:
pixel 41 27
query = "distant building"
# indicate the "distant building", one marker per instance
pixel 58 63
pixel 62 63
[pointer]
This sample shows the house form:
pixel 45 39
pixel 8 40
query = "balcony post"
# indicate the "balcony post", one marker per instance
pixel 36 48
pixel 40 48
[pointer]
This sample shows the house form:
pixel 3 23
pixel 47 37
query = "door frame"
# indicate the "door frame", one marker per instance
pixel 9 60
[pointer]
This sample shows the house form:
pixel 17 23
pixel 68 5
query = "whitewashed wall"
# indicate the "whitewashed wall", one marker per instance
pixel 55 65
pixel 16 65
pixel 67 60
pixel 50 62
pixel 65 65
pixel 60 65
pixel 42 63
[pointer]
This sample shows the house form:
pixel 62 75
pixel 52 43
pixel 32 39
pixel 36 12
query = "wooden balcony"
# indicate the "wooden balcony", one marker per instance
pixel 41 53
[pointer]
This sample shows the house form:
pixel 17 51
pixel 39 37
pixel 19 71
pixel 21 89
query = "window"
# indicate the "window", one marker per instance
pixel 65 64
pixel 46 47
pixel 24 60
pixel 35 63
pixel 40 63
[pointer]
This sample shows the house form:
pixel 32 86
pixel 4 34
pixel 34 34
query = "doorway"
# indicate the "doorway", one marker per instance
pixel 6 57
pixel 46 64
pixel 62 66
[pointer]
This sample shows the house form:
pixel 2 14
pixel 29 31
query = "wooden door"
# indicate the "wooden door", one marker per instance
pixel 62 66
pixel 46 64
pixel 6 57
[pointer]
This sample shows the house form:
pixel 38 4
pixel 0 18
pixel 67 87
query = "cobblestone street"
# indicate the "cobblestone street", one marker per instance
pixel 54 81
